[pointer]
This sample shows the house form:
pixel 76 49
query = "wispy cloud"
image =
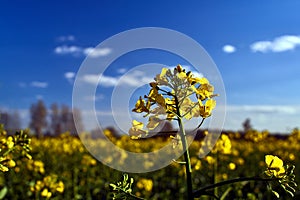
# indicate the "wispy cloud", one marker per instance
pixel 74 50
pixel 279 44
pixel 105 81
pixel 96 52
pixel 94 98
pixel 275 118
pixel 65 38
pixel 229 48
pixel 39 84
pixel 77 51
pixel 69 76
pixel 121 70
pixel 133 79
pixel 259 109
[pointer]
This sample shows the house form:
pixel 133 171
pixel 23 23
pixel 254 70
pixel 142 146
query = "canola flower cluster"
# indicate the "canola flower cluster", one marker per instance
pixel 47 186
pixel 12 146
pixel 174 94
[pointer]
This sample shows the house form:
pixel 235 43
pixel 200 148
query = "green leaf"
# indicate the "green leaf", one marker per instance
pixel 276 194
pixel 292 194
pixel 3 192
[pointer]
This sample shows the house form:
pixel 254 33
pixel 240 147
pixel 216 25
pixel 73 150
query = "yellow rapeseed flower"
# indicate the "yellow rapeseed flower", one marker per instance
pixel 60 187
pixel 141 106
pixel 154 96
pixel 11 163
pixel 274 166
pixel 153 122
pixel 206 110
pixel 223 145
pixel 146 184
pixel 231 166
pixel 161 78
pixel 10 143
pixel 46 193
pixel 136 131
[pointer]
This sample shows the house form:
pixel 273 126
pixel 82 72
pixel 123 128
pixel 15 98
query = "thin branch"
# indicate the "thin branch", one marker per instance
pixel 199 192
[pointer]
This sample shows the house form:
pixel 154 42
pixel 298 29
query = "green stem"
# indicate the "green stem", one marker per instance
pixel 216 174
pixel 131 195
pixel 188 167
pixel 186 154
pixel 201 191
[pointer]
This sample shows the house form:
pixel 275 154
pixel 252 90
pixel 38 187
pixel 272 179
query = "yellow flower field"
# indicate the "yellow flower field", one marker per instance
pixel 61 168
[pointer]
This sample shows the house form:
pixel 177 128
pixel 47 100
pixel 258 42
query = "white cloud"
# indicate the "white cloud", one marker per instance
pixel 76 50
pixel 105 81
pixel 39 84
pixel 229 48
pixel 264 109
pixel 275 118
pixel 67 50
pixel 65 38
pixel 132 79
pixel 121 70
pixel 96 52
pixel 94 97
pixel 279 44
pixel 69 76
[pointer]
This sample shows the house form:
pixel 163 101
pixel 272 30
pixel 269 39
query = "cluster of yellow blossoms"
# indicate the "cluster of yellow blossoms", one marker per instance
pixel 48 186
pixel 36 166
pixel 174 94
pixel 10 146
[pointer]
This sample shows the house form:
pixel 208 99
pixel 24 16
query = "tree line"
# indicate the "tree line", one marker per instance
pixel 43 121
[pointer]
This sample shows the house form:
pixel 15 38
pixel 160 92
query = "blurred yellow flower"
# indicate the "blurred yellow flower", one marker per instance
pixel 223 145
pixel 46 193
pixel 10 143
pixel 231 166
pixel 60 187
pixel 210 160
pixel 146 184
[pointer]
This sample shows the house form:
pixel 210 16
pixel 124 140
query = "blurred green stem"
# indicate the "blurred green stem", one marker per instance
pixel 203 190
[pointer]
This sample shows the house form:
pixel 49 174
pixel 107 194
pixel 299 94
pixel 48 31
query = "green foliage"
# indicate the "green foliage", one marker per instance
pixel 122 189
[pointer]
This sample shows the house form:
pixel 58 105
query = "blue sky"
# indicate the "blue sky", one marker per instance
pixel 255 44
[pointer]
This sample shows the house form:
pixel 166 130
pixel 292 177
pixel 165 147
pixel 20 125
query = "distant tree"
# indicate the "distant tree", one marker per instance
pixel 247 125
pixel 63 120
pixel 38 113
pixel 4 118
pixel 14 121
pixel 11 121
pixel 65 117
pixel 77 117
pixel 55 127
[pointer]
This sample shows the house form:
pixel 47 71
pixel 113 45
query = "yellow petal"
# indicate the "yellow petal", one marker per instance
pixel 138 125
pixel 153 122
